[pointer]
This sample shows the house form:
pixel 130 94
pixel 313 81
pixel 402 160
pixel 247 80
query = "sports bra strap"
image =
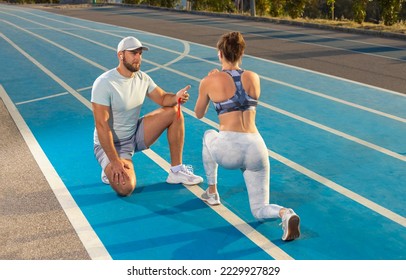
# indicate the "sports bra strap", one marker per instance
pixel 241 101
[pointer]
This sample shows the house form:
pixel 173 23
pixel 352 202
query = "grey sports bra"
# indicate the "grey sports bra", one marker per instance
pixel 241 101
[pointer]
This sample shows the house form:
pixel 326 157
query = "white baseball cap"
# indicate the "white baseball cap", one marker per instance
pixel 130 43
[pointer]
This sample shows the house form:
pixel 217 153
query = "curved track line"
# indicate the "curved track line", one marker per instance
pixel 230 217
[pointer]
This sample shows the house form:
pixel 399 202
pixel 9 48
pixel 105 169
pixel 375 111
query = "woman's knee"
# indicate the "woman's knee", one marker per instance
pixel 209 135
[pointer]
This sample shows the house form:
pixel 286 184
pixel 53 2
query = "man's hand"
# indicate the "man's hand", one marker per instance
pixel 182 95
pixel 119 172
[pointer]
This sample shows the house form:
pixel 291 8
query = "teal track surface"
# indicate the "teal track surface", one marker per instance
pixel 336 147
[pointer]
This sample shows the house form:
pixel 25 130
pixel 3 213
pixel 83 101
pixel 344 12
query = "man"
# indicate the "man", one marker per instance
pixel 117 98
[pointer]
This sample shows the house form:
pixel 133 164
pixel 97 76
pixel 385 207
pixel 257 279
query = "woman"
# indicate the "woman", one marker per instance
pixel 238 145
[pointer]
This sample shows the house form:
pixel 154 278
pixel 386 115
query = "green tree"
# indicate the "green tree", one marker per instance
pixel 262 7
pixel 359 9
pixel 331 4
pixel 390 10
pixel 213 5
pixel 295 8
pixel 132 1
pixel 277 7
pixel 315 9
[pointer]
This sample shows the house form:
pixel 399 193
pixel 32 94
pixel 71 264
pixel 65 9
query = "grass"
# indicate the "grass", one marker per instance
pixel 399 27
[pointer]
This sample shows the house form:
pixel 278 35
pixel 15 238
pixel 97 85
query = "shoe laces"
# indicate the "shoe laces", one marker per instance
pixel 188 169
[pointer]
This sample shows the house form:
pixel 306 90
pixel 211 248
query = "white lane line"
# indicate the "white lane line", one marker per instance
pixel 374 111
pixel 182 55
pixel 267 28
pixel 49 73
pixel 91 62
pixel 324 181
pixel 254 236
pixel 42 98
pixel 90 240
pixel 49 96
pixel 338 100
pixel 332 98
pixel 337 132
pixel 350 50
pixel 370 145
pixel 341 190
pixel 281 111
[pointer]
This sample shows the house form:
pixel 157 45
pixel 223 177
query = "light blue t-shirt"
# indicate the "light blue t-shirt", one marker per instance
pixel 125 97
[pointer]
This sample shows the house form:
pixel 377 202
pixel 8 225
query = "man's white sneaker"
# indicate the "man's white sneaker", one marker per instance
pixel 211 198
pixel 290 225
pixel 184 176
pixel 104 178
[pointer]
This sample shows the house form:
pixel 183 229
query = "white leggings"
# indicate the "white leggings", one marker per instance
pixel 245 151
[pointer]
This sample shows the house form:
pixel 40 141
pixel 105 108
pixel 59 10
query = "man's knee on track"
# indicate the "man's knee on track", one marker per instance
pixel 124 190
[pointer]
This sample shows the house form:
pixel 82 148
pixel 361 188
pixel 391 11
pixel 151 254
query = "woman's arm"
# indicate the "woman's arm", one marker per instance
pixel 202 103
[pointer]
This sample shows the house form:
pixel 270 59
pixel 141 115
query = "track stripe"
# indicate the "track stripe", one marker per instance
pixel 90 240
pixel 49 73
pixel 41 98
pixel 263 77
pixel 379 209
pixel 252 234
pixel 328 183
pixel 281 111
pixel 235 221
pixel 336 132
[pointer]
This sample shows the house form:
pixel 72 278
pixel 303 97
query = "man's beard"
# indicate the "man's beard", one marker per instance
pixel 130 67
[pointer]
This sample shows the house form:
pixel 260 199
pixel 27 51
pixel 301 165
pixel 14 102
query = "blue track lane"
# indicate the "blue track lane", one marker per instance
pixel 300 115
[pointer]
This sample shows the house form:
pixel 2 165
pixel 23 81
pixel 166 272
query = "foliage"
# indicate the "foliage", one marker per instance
pixel 132 2
pixel 277 8
pixel 295 8
pixel 331 4
pixel 156 3
pixel 315 9
pixel 33 1
pixel 359 10
pixel 213 5
pixel 390 10
pixel 262 7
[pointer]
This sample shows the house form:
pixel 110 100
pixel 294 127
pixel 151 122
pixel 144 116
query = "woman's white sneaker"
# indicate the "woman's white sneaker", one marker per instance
pixel 290 225
pixel 211 198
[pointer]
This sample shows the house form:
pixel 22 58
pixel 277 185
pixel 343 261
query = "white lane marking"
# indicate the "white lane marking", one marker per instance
pixel 253 235
pixel 281 111
pixel 261 241
pixel 324 181
pixel 90 240
pixel 374 111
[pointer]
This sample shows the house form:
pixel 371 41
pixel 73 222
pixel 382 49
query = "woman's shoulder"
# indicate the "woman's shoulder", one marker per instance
pixel 213 75
pixel 250 73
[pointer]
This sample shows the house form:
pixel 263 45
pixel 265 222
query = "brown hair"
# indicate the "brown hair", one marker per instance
pixel 232 45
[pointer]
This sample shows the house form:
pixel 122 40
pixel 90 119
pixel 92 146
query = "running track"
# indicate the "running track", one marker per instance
pixel 337 150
